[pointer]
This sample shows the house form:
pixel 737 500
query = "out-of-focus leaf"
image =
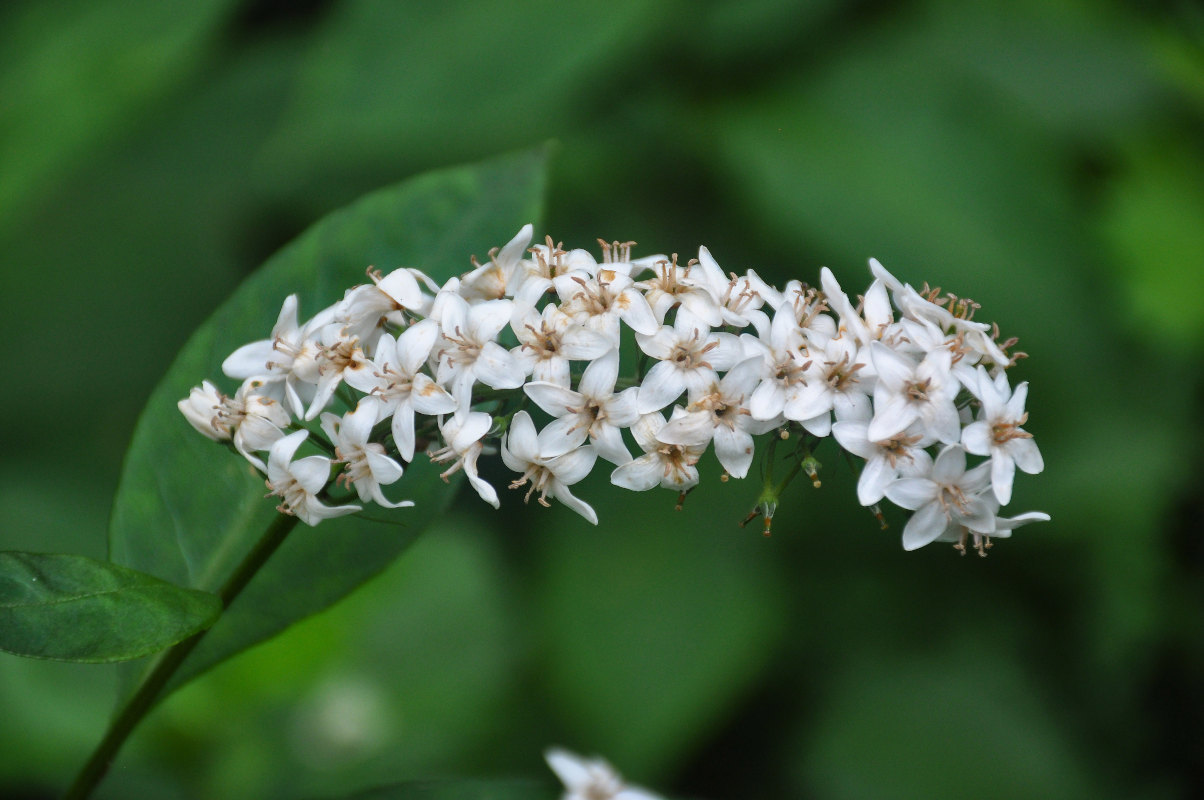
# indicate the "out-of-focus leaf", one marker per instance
pixel 657 621
pixel 73 74
pixel 1154 223
pixel 961 721
pixel 386 82
pixel 460 790
pixel 190 513
pixel 75 608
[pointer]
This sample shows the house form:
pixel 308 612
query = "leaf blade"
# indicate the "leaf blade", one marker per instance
pixel 74 608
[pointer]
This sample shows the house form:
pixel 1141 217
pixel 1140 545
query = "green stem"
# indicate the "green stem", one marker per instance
pixel 148 693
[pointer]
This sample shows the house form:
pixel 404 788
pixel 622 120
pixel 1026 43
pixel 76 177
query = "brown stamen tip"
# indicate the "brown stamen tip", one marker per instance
pixel 681 501
pixel 766 532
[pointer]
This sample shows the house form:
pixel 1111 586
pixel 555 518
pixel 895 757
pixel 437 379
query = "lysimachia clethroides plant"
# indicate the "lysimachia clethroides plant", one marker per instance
pixel 564 363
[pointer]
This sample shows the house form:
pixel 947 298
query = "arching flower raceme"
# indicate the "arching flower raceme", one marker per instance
pixel 903 380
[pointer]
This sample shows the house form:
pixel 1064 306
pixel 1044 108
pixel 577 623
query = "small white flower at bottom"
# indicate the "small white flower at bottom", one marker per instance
pixel 592 778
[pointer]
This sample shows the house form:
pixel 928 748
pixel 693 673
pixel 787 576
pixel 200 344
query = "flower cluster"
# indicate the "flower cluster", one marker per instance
pixel 672 358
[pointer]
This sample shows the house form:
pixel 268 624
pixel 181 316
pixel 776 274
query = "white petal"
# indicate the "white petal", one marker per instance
pixel 734 449
pixel 640 475
pixel 912 493
pixel 924 527
pixel 311 472
pixel 663 384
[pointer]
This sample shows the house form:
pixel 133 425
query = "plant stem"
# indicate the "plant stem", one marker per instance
pixel 148 694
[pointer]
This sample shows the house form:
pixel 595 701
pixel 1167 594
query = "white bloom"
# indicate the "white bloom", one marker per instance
pixel 297 483
pixel 467 351
pixel 287 361
pixel 907 391
pixel 591 779
pixel 534 277
pixel 594 411
pixel 340 356
pixel 367 467
pixel 739 298
pixel 551 477
pixel 671 466
pixel 550 340
pixel 401 386
pixel 949 495
pixel 364 309
pixel 688 356
pixel 600 302
pixel 997 433
pixel 493 281
pixel 721 414
pixel 200 408
pixel 900 455
pixel 839 380
pixel 462 437
pixel 673 285
pixel 251 420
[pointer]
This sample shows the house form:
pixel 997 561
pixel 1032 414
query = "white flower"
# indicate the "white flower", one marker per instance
pixel 997 433
pixel 688 356
pixel 594 411
pixel 600 302
pixel 462 436
pixel 949 495
pixel 721 414
pixel 367 467
pixel 287 362
pixel 907 391
pixel 591 779
pixel 297 483
pixel 902 454
pixel 467 351
pixel 251 420
pixel 401 386
pixel 340 356
pixel 671 466
pixel 550 340
pixel 740 298
pixel 839 380
pixel 673 285
pixel 200 408
pixel 493 281
pixel 364 308
pixel 551 477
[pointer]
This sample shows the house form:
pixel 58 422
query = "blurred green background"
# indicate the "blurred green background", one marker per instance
pixel 1044 158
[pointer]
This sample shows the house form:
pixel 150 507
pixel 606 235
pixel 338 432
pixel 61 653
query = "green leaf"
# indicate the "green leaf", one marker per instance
pixel 190 512
pixel 76 74
pixel 75 608
pixel 460 790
